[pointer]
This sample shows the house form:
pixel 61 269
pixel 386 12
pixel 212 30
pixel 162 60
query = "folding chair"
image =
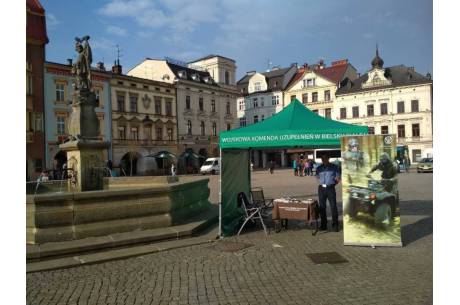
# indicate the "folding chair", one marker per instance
pixel 258 198
pixel 251 211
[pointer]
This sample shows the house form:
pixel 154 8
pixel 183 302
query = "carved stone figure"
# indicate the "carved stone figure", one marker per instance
pixel 82 66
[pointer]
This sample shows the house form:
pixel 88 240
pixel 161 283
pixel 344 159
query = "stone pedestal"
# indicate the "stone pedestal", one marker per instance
pixel 85 161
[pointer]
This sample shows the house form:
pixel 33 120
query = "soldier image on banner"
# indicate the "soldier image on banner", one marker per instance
pixel 370 191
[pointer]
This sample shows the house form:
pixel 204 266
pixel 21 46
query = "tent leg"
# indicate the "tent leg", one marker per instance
pixel 220 196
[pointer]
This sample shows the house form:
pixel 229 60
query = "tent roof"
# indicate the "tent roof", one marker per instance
pixel 294 126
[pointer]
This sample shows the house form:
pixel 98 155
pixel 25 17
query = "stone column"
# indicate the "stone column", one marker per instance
pixel 283 158
pixel 264 159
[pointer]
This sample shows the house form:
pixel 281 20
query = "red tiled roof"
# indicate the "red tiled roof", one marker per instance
pixel 297 77
pixel 36 23
pixel 335 72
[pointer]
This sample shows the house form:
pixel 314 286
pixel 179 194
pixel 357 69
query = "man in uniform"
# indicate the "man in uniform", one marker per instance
pixel 328 175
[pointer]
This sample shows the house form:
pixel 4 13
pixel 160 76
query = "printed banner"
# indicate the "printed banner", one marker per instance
pixel 370 191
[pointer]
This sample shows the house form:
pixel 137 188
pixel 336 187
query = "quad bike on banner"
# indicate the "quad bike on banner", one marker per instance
pixel 379 199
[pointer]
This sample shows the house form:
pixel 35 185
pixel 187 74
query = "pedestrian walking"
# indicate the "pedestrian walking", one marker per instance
pixel 271 166
pixel 294 166
pixel 308 168
pixel 328 175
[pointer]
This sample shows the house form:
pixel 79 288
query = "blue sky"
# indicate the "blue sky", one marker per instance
pixel 250 32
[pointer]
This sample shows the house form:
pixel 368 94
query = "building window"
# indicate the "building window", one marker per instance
pixel 328 113
pixel 229 126
pixel 383 108
pixel 416 130
pixel 120 102
pixel 189 127
pixel 97 93
pixel 227 78
pixel 242 121
pixel 371 130
pixel 240 105
pixel 343 113
pixel 314 97
pixel 60 125
pixel 133 103
pixel 214 129
pixel 384 129
pixel 169 108
pixel 370 110
pixel 275 100
pixel 305 98
pixel 293 97
pixel 315 111
pixel 29 84
pixel 416 155
pixel 170 134
pixel 38 165
pixel 257 86
pixel 400 107
pixel 262 102
pixel 157 105
pixel 122 132
pixel 213 105
pixel 200 104
pixel 263 117
pixel 60 92
pixel 255 102
pixel 159 133
pixel 134 133
pixel 187 102
pixel 256 119
pixel 355 111
pixel 401 131
pixel 309 82
pixel 327 95
pixel 414 106
pixel 228 107
pixel 202 128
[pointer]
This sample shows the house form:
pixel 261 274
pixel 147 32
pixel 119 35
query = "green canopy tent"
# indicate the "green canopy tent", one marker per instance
pixel 294 127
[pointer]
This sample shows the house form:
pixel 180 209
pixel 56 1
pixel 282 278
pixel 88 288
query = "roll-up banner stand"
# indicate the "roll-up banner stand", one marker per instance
pixel 370 192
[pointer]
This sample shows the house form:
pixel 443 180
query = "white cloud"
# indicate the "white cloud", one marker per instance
pixel 116 30
pixel 51 20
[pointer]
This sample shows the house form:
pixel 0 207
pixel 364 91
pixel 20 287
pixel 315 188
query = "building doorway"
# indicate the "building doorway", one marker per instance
pixel 128 163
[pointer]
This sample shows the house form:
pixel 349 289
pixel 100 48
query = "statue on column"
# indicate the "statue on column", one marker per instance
pixel 82 66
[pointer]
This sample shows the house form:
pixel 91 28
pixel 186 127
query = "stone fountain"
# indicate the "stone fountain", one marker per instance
pixel 85 149
pixel 98 207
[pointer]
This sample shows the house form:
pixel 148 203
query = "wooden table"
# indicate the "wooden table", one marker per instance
pixel 284 209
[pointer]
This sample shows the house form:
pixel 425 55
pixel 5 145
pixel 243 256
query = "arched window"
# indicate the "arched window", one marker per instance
pixel 214 128
pixel 189 127
pixel 202 128
pixel 227 78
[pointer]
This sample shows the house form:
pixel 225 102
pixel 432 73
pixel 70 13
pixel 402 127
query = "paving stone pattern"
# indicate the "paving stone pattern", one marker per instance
pixel 275 270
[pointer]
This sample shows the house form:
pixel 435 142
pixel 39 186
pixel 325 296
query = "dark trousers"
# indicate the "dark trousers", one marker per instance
pixel 328 193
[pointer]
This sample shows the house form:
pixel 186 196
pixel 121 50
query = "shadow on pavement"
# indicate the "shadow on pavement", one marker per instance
pixel 415 231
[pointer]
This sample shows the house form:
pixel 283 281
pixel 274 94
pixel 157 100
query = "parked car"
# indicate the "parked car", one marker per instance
pixel 210 166
pixel 425 165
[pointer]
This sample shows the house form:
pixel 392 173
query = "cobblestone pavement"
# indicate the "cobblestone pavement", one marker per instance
pixel 275 270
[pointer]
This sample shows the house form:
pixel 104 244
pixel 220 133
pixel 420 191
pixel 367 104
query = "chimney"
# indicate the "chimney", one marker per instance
pixel 294 64
pixel 411 69
pixel 339 62
pixel 117 69
pixel 321 64
pixel 69 61
pixel 100 66
pixel 305 65
pixel 428 75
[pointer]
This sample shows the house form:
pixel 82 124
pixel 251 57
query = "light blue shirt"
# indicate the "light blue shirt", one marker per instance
pixel 327 174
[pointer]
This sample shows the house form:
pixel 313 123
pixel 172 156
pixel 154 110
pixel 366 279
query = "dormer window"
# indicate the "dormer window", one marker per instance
pixel 310 82
pixel 182 74
pixel 165 77
pixel 257 86
pixel 196 77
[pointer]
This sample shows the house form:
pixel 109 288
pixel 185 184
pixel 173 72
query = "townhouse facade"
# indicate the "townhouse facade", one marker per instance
pixel 315 85
pixel 144 123
pixel 204 106
pixel 36 39
pixel 261 96
pixel 390 100
pixel 58 83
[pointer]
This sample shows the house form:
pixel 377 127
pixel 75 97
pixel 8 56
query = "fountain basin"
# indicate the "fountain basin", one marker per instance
pixel 53 217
